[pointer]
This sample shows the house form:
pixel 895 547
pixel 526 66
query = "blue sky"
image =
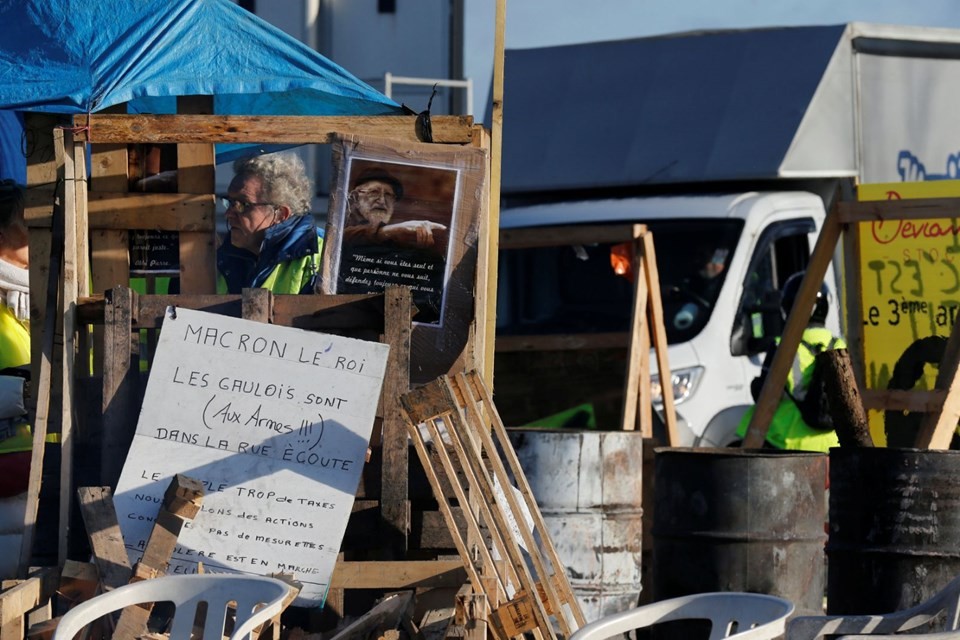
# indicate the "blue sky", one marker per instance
pixel 540 23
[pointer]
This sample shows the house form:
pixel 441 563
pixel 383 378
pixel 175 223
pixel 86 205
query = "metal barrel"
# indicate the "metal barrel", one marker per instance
pixel 588 487
pixel 894 537
pixel 740 520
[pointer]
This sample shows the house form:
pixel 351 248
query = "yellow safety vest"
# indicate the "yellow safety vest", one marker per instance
pixel 14 352
pixel 787 428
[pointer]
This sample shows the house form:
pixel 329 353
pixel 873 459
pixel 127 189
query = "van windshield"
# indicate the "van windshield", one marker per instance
pixel 589 288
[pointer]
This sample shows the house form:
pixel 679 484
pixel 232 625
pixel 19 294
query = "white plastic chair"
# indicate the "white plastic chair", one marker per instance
pixel 744 616
pixel 879 626
pixel 186 593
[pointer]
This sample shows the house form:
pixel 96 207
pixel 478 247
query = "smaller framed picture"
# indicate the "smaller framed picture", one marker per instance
pixel 407 216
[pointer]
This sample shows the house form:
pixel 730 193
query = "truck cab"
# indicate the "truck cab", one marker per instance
pixel 721 260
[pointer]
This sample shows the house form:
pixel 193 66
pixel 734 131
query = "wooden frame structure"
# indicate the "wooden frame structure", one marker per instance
pixel 646 320
pixel 941 405
pixel 102 216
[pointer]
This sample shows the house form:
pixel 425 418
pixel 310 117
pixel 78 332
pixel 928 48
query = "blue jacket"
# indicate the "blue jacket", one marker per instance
pixel 289 260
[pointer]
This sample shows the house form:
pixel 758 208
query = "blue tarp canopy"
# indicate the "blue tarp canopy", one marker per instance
pixel 78 56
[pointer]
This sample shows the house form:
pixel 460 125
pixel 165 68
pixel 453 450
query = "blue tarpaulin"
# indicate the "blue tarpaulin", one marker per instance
pixel 82 56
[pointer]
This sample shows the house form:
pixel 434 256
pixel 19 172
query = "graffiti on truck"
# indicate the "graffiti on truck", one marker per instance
pixel 911 169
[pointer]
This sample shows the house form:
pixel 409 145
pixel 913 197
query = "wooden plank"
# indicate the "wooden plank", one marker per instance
pixel 398 574
pixel 851 301
pixel 563 235
pixel 936 428
pixel 30 593
pixel 638 328
pixel 793 331
pixel 564 342
pixel 149 211
pixel 120 384
pixel 196 174
pixel 257 305
pixel 488 246
pixel 181 503
pixel 160 129
pixel 74 169
pixel 850 211
pixel 896 400
pixel 79 581
pixel 655 314
pixel 44 380
pixel 645 400
pixel 394 498
pixel 109 249
pixel 103 531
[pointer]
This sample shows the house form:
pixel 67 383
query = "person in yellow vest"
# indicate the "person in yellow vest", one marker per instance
pixel 15 438
pixel 788 429
pixel 272 242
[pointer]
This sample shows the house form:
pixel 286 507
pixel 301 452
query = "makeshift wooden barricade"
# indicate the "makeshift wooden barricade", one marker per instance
pixel 470 459
pixel 646 319
pixel 940 405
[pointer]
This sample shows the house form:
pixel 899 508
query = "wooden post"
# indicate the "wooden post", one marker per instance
pixel 195 174
pixel 633 392
pixel 489 331
pixel 394 492
pixel 106 541
pixel 936 429
pixel 43 383
pixel 120 383
pixel 655 311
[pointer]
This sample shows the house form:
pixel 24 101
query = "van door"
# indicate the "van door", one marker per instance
pixel 782 250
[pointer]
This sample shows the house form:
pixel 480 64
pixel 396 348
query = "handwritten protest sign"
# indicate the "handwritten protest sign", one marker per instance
pixel 275 423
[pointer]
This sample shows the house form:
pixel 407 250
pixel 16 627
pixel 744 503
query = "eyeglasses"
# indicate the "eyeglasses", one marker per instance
pixel 243 207
pixel 375 194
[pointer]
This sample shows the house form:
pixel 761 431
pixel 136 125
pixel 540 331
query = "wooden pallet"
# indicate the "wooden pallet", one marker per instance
pixel 469 459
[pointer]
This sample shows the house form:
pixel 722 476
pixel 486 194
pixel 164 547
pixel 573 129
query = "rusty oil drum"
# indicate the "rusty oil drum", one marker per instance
pixel 894 536
pixel 740 520
pixel 588 485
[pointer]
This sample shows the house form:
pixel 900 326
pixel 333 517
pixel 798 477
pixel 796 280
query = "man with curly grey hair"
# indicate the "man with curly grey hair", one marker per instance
pixel 273 242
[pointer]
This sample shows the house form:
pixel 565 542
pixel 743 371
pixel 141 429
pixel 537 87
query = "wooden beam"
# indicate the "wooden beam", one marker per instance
pixel 152 211
pixel 892 210
pixel 43 383
pixel 564 342
pixel 559 236
pixel 103 531
pixel 160 129
pixel 402 574
pixel 17 601
pixel 659 335
pixel 638 328
pixel 395 464
pixel 196 173
pixel 896 400
pixel 936 428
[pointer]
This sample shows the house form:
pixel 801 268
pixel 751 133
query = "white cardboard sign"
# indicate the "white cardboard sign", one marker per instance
pixel 275 422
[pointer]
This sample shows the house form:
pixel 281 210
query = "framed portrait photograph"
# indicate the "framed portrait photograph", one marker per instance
pixel 408 216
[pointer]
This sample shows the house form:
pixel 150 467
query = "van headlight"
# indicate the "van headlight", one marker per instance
pixel 684 382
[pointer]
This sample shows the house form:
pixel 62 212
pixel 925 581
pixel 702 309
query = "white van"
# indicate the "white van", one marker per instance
pixel 717 329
